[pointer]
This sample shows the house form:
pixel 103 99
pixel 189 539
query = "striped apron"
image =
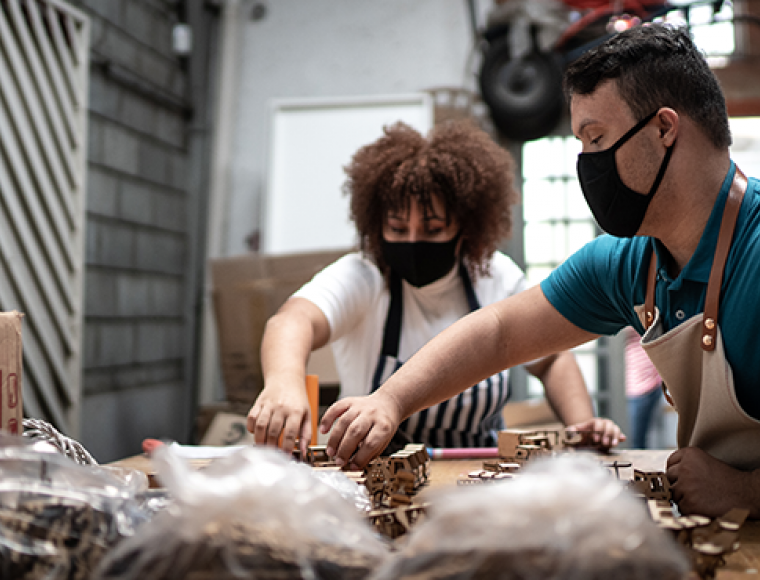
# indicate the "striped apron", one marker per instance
pixel 470 419
pixel 698 380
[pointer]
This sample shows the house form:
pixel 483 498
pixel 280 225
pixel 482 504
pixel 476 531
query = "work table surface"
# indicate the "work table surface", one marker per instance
pixel 743 564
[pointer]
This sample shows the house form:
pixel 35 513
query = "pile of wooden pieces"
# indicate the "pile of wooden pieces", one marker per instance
pixel 391 482
pixel 518 447
pixel 707 540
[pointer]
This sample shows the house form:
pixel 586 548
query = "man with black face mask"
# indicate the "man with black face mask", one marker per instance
pixel 430 213
pixel 682 266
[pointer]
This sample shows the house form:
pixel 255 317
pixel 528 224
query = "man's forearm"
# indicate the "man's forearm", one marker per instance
pixel 456 359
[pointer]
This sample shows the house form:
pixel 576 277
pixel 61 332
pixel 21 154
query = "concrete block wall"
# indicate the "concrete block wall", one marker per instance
pixel 143 232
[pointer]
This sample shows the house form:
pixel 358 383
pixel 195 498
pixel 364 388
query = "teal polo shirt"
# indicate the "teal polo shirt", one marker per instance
pixel 597 288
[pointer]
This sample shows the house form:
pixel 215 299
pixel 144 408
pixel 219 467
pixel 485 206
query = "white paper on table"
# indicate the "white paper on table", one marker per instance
pixel 204 451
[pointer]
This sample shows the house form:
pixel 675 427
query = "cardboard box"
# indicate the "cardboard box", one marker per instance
pixel 228 429
pixel 247 291
pixel 11 366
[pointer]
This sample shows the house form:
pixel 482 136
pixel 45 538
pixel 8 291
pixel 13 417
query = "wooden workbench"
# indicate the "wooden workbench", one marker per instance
pixel 743 564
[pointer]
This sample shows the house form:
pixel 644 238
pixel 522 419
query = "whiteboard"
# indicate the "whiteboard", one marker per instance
pixel 311 141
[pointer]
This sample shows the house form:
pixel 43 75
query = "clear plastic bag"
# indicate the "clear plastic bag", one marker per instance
pixel 253 514
pixel 58 518
pixel 562 518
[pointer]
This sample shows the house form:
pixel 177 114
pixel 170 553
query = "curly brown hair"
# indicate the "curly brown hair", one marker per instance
pixel 460 163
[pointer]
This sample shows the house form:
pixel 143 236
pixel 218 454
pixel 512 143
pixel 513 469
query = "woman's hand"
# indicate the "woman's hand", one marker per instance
pixel 598 432
pixel 282 408
pixel 281 411
pixel 360 428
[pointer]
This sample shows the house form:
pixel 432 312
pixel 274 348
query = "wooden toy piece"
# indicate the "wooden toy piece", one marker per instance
pixel 317 455
pixel 395 522
pixel 479 476
pixel 508 443
pixel 571 439
pixel 708 541
pixel 721 535
pixel 527 452
pixel 711 543
pixel 539 439
pixel 415 458
pixel 616 466
pixel 661 511
pixel 650 484
pixel 401 489
pixel 376 480
pixel 733 519
pixel 501 466
pixel 394 480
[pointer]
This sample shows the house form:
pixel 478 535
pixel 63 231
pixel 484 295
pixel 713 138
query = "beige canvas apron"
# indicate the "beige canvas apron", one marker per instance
pixel 692 362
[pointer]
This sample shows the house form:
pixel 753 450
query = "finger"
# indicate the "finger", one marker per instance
pixel 611 435
pixel 354 431
pixel 333 412
pixel 337 429
pixel 675 457
pixel 305 435
pixel 259 426
pixel 274 429
pixel 290 432
pixel 250 423
pixel 371 446
pixel 676 494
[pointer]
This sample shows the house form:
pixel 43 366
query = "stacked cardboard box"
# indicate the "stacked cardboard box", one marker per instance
pixel 247 291
pixel 11 402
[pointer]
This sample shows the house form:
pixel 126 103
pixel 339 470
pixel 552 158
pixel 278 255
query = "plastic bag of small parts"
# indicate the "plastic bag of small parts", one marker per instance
pixel 562 518
pixel 253 514
pixel 58 518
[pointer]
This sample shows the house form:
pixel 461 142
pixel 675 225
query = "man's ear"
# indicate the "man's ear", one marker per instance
pixel 668 122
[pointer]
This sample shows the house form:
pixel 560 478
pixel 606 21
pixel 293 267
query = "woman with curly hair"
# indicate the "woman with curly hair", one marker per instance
pixel 430 214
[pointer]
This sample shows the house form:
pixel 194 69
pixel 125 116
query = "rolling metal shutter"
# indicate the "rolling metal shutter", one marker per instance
pixel 44 47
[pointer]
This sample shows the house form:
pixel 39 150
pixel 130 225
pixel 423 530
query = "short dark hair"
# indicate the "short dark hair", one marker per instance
pixel 459 162
pixel 656 65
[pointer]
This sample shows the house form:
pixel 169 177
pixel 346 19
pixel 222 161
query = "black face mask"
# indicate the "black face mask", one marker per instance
pixel 421 263
pixel 616 207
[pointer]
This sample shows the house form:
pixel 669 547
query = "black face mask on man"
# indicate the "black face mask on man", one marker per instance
pixel 616 207
pixel 421 263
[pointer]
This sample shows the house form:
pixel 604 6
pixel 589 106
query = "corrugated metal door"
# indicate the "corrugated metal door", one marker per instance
pixel 43 93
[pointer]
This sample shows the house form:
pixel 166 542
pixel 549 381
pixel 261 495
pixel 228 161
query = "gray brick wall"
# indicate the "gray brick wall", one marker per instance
pixel 144 228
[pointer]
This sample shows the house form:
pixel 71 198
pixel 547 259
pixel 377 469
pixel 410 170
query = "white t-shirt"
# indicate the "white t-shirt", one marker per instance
pixel 354 297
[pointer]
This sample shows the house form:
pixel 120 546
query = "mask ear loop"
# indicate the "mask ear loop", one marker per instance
pixel 632 131
pixel 661 172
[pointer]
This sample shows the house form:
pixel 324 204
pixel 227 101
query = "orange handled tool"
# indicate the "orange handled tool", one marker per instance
pixel 312 392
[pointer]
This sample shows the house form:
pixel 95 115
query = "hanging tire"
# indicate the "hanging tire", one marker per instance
pixel 524 96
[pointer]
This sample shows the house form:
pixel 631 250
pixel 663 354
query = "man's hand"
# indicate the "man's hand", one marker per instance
pixel 361 428
pixel 283 412
pixel 703 485
pixel 599 433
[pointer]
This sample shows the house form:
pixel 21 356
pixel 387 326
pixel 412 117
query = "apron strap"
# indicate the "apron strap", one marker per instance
pixel 392 332
pixel 725 236
pixel 651 283
pixel 472 300
pixel 730 213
